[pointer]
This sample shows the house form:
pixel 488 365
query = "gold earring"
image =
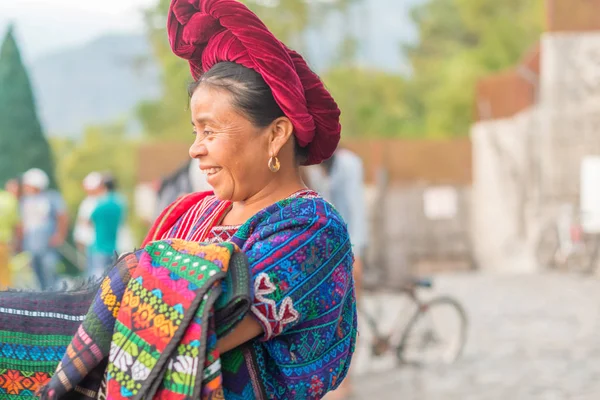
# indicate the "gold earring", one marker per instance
pixel 274 164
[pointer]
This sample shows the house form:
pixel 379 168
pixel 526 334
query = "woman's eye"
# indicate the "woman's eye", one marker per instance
pixel 204 133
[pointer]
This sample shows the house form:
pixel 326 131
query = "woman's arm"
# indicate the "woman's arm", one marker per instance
pixel 246 330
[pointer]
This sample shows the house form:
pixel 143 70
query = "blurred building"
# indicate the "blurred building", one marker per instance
pixel 537 123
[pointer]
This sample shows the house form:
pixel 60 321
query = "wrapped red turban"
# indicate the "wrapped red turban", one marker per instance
pixel 206 32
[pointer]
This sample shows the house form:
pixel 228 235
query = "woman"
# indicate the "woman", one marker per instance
pixel 234 113
pixel 258 113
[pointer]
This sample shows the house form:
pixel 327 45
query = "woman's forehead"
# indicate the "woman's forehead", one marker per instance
pixel 209 104
pixel 210 98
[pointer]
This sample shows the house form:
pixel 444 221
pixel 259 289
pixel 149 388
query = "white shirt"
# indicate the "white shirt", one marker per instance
pixel 84 231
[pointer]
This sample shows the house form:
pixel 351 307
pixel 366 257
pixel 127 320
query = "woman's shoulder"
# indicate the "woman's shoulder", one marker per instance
pixel 311 204
pixel 307 208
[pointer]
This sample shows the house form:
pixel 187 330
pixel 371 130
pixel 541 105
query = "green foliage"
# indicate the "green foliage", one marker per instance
pixel 22 142
pixel 461 41
pixel 373 103
pixel 102 149
pixel 167 117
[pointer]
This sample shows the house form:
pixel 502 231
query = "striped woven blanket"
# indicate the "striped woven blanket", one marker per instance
pixel 152 329
pixel 35 330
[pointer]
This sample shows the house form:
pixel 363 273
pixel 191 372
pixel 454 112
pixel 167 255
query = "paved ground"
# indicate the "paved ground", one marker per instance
pixel 530 337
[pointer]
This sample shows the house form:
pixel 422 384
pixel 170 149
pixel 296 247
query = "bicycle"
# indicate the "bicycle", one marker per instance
pixel 418 342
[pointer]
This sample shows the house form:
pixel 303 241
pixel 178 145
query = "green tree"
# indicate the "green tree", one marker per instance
pixel 373 103
pixel 103 149
pixel 166 117
pixel 461 41
pixel 22 142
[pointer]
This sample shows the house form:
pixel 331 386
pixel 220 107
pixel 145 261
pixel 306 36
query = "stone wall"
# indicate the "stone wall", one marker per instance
pixel 406 241
pixel 527 165
pixel 570 102
pixel 505 196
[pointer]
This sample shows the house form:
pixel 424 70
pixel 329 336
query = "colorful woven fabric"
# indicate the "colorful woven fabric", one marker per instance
pixel 81 368
pixel 301 263
pixel 154 321
pixel 35 330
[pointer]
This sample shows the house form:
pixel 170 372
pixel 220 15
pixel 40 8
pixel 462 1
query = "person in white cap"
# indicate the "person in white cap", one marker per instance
pixel 83 233
pixel 45 225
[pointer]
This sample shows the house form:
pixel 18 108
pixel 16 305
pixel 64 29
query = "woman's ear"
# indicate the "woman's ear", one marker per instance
pixel 281 130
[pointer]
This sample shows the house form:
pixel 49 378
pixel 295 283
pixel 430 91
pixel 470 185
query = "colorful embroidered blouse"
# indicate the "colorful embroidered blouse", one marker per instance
pixel 301 261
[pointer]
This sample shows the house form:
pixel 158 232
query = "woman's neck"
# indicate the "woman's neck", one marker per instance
pixel 275 191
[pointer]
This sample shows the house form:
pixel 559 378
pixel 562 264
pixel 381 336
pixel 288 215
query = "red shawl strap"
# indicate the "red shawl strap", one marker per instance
pixel 171 214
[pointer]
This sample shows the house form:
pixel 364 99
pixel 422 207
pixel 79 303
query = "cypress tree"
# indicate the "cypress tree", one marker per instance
pixel 22 141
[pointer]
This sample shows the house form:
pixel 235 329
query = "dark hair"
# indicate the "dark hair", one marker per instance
pixel 328 164
pixel 110 182
pixel 251 95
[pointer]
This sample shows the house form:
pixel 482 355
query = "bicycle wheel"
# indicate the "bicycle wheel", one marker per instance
pixel 427 341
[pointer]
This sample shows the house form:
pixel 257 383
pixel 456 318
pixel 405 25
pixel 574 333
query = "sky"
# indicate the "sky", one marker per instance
pixel 44 26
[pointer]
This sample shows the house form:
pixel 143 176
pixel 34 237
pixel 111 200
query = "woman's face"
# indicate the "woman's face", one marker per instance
pixel 233 153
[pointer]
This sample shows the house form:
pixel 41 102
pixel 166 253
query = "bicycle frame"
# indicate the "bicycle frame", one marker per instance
pixel 381 341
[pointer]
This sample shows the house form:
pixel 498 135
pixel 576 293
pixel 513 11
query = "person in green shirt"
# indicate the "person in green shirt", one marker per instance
pixel 9 221
pixel 106 218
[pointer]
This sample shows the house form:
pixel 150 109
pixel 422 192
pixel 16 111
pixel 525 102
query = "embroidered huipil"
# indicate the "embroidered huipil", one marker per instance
pixel 301 262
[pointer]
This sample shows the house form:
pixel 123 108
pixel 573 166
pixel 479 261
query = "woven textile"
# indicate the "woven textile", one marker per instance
pixel 301 263
pixel 154 322
pixel 35 330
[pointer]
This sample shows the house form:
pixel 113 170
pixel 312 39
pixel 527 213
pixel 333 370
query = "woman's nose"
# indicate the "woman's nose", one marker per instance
pixel 197 149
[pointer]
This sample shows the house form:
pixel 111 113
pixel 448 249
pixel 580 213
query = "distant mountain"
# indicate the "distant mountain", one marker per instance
pixel 104 80
pixel 96 83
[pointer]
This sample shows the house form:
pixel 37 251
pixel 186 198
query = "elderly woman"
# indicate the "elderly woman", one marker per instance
pixel 258 113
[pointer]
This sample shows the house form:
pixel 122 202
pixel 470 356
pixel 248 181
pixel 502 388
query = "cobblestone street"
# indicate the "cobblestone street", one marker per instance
pixel 530 337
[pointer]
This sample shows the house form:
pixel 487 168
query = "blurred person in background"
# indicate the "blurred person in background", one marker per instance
pixel 9 222
pixel 13 186
pixel 106 218
pixel 340 180
pixel 83 233
pixel 45 225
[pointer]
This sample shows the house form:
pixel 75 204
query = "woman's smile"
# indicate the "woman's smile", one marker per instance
pixel 210 170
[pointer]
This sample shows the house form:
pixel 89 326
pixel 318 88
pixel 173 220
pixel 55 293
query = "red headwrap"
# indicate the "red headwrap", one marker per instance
pixel 206 32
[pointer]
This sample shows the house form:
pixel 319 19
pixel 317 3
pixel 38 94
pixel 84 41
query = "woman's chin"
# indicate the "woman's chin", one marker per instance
pixel 223 195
